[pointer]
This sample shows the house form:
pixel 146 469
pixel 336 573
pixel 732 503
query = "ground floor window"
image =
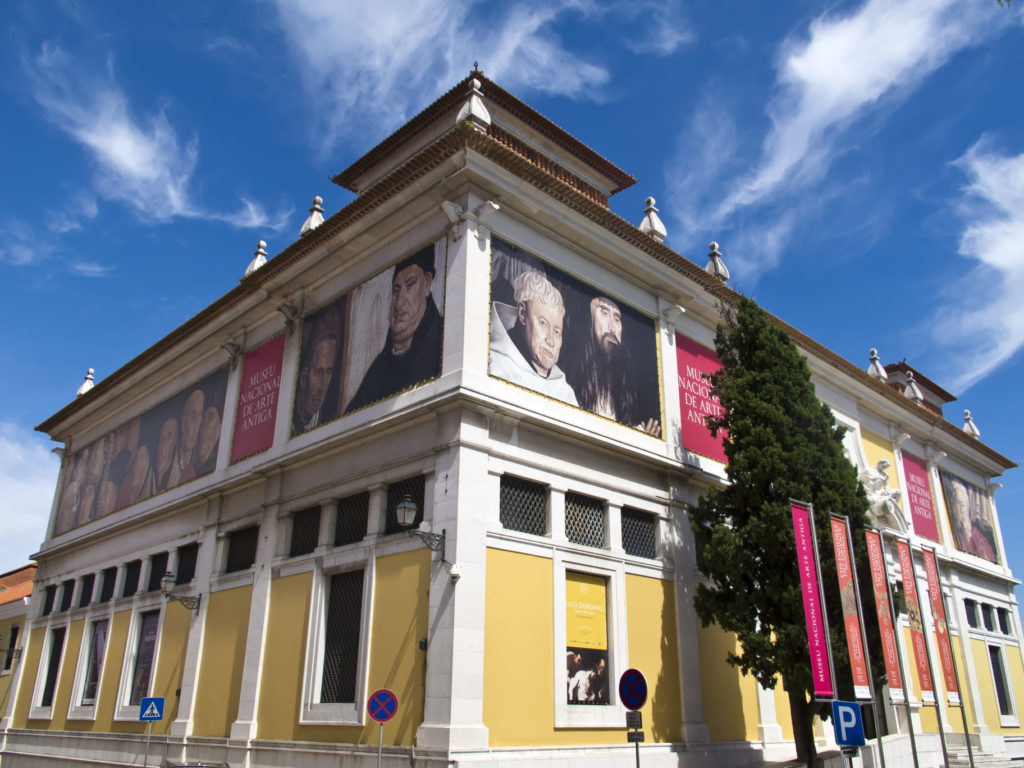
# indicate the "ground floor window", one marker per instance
pixel 52 666
pixel 149 623
pixel 94 662
pixel 1004 697
pixel 341 638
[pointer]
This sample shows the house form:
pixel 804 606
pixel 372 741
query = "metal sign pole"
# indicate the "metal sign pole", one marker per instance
pixel 149 732
pixel 899 657
pixel 380 741
pixel 864 642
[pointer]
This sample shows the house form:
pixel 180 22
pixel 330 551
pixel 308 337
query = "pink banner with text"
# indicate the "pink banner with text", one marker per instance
pixel 851 613
pixel 256 413
pixel 817 640
pixel 880 586
pixel 919 496
pixel 914 619
pixel 696 402
pixel 931 571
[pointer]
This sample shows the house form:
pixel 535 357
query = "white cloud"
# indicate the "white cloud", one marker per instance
pixel 90 269
pixel 367 66
pixel 140 162
pixel 981 324
pixel 21 245
pixel 845 68
pixel 28 478
pixel 664 29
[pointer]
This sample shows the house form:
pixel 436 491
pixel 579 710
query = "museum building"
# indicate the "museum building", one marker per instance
pixel 444 444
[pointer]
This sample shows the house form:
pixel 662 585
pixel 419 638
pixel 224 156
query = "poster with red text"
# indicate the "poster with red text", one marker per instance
pixel 256 413
pixel 931 571
pixel 696 402
pixel 817 638
pixel 880 586
pixel 851 613
pixel 919 496
pixel 914 620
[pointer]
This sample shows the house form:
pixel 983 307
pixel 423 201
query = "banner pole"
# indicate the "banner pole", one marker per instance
pixel 864 640
pixel 903 677
pixel 928 656
pixel 956 671
pixel 821 598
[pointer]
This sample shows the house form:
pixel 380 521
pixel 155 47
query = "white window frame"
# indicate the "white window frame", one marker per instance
pixel 123 711
pixel 1011 720
pixel 612 715
pixel 342 713
pixel 77 710
pixel 37 711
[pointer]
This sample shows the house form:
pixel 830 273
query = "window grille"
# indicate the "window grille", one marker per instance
pixel 242 549
pixel 12 643
pixel 638 533
pixel 66 593
pixel 584 520
pixel 987 614
pixel 48 598
pixel 1004 622
pixel 414 487
pixel 341 638
pixel 109 579
pixel 131 578
pixel 305 531
pixel 971 609
pixel 157 569
pixel 88 584
pixel 522 505
pixel 187 563
pixel 999 678
pixel 53 666
pixel 350 525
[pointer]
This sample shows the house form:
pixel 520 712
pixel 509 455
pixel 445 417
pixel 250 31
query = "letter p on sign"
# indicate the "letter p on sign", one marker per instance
pixel 848 724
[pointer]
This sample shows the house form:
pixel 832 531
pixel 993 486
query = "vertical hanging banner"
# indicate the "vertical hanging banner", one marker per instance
pixel 880 586
pixel 851 613
pixel 919 497
pixel 817 639
pixel 914 620
pixel 931 571
pixel 256 414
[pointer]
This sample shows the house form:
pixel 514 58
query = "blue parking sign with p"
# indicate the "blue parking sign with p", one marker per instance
pixel 848 724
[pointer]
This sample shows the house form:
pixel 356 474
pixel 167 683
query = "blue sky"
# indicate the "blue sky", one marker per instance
pixel 860 163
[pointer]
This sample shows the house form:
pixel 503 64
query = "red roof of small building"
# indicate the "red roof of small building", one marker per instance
pixel 17 584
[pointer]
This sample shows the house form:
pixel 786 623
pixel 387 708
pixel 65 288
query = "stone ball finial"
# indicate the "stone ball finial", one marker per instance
pixel 87 384
pixel 652 224
pixel 969 426
pixel 315 218
pixel 713 246
pixel 716 264
pixel 649 202
pixel 875 367
pixel 258 259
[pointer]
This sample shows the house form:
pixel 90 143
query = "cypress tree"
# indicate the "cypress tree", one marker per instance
pixel 781 444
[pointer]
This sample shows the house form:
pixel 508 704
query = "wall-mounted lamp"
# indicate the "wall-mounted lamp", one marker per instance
pixel 405 512
pixel 167 588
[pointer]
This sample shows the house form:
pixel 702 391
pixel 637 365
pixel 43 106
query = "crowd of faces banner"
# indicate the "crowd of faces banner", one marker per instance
pixel 586 638
pixel 817 640
pixel 970 517
pixel 851 613
pixel 696 402
pixel 256 412
pixel 919 496
pixel 931 571
pixel 880 586
pixel 382 338
pixel 558 336
pixel 924 676
pixel 171 444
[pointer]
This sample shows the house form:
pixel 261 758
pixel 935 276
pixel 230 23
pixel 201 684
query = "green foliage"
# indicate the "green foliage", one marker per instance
pixel 781 444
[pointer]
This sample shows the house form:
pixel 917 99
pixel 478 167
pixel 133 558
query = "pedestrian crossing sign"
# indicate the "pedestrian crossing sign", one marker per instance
pixel 151 709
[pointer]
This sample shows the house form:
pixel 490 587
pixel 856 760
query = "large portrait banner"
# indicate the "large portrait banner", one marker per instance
pixel 168 445
pixel 919 496
pixel 382 338
pixel 256 412
pixel 556 335
pixel 586 638
pixel 970 517
pixel 696 403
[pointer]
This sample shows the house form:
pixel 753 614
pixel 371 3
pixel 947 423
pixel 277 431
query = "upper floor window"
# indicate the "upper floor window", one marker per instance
pixel 639 533
pixel 132 571
pixel 242 549
pixel 157 569
pixel 350 525
pixel 584 520
pixel 305 531
pixel 187 556
pixel 88 584
pixel 523 505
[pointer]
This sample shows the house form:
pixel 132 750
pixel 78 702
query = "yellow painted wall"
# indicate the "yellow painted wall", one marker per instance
pixel 1015 667
pixel 987 689
pixel 30 660
pixel 877 448
pixel 220 669
pixel 782 714
pixel 400 616
pixel 110 677
pixel 651 616
pixel 170 664
pixel 7 678
pixel 519 695
pixel 730 698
